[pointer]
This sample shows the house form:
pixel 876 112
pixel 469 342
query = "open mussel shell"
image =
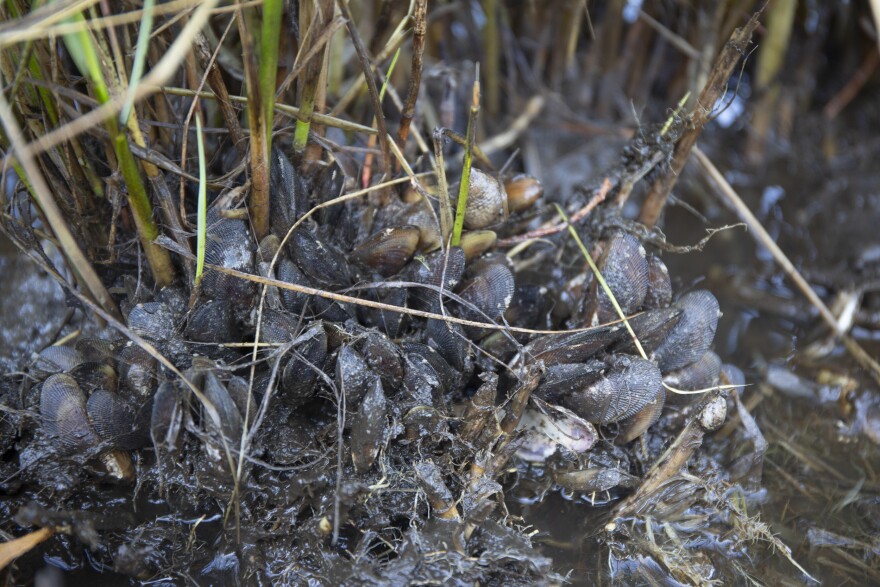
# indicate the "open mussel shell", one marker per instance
pixel 630 384
pixel 547 427
pixel 438 269
pixel 417 214
pixel 486 201
pixel 64 415
pixel 388 250
pixel 115 420
pixel 320 260
pixel 624 266
pixel 659 294
pixel 56 359
pixel 702 374
pixel 368 428
pixel 523 190
pixel 692 336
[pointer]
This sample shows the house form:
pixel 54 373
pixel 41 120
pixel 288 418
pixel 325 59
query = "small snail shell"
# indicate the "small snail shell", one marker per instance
pixel 486 203
pixel 523 191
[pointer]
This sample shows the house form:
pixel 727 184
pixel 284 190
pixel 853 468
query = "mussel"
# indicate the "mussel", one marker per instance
pixel 692 336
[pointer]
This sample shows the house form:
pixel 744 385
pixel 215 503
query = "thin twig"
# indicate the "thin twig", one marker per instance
pixel 415 78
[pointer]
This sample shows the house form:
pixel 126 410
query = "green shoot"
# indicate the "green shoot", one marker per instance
pixel 468 157
pixel 140 57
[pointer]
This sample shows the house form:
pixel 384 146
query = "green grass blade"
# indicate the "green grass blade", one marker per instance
pixel 140 58
pixel 82 51
pixel 270 32
pixel 388 74
pixel 202 221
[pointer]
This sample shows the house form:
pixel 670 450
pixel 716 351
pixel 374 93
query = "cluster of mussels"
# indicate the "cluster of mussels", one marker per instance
pixel 400 376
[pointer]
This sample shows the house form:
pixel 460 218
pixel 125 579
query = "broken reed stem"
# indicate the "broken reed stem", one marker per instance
pixel 259 197
pixel 415 79
pixel 442 188
pixel 492 57
pixel 221 93
pixel 761 235
pixel 715 86
pixel 371 84
pixel 468 156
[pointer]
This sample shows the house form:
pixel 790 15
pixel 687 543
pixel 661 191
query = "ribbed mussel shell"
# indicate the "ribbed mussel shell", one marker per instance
pixel 692 336
pixel 228 243
pixel 64 415
pixel 659 294
pixel 299 378
pixel 630 384
pixel 624 267
pixel 489 291
pixel 320 260
pixel 388 250
pixel 115 420
pixel 435 269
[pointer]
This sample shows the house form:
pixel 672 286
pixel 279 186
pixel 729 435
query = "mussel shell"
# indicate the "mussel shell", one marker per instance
pixel 353 376
pixel 299 378
pixel 278 327
pixel 448 339
pixel 228 243
pixel 702 374
pixel 567 378
pixel 212 321
pixel 417 214
pixel 114 421
pixel 573 347
pixel 388 321
pixel 692 336
pixel 421 383
pixel 287 190
pixel 138 371
pixel 527 305
pixel 437 269
pixel 383 357
pixel 268 248
pixel 155 321
pixel 594 480
pixel 476 242
pixel 624 266
pixel 329 185
pixel 659 294
pixel 489 291
pixel 96 350
pixel 94 375
pixel 630 384
pixel 229 424
pixel 523 190
pixel 550 427
pixel 388 250
pixel 651 327
pixel 56 359
pixel 368 428
pixel 636 425
pixel 320 260
pixel 167 417
pixel 486 202
pixel 64 416
pixel 447 377
pixel 293 301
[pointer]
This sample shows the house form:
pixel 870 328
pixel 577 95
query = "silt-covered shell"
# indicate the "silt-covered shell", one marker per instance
pixel 630 384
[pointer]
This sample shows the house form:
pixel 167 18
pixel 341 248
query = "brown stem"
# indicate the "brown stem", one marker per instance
pixel 409 109
pixel 215 80
pixel 702 113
